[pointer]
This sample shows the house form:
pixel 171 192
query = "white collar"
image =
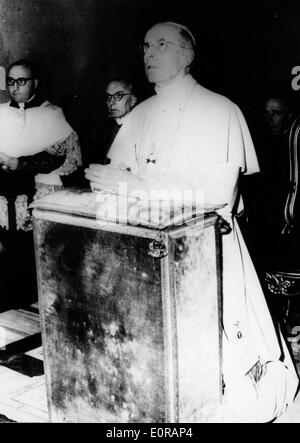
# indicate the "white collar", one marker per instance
pixel 178 89
pixel 22 104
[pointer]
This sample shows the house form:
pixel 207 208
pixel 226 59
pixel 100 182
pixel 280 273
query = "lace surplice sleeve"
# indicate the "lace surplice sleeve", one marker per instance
pixel 70 148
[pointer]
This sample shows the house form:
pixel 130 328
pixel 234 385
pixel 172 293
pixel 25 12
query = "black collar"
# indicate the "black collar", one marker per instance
pixel 36 101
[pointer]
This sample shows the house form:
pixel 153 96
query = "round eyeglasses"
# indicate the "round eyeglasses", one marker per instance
pixel 162 45
pixel 21 81
pixel 117 96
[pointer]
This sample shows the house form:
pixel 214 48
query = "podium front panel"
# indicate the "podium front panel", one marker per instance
pixel 128 336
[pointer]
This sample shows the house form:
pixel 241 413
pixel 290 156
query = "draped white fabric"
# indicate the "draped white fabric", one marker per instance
pixel 30 131
pixel 25 132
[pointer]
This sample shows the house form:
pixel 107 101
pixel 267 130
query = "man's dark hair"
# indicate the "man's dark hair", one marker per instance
pixel 26 64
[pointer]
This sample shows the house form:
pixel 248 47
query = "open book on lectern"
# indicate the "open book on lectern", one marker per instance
pixel 157 214
pixel 121 209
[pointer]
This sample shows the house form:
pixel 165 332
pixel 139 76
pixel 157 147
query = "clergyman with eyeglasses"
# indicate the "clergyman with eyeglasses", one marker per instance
pixel 38 151
pixel 187 138
pixel 31 125
pixel 120 98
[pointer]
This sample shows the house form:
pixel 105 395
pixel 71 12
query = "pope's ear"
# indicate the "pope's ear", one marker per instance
pixel 188 57
pixel 36 83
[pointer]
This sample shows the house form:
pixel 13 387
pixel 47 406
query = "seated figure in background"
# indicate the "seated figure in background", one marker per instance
pixel 280 183
pixel 38 149
pixel 187 138
pixel 275 224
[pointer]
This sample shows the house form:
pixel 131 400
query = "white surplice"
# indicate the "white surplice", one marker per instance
pixel 30 131
pixel 189 137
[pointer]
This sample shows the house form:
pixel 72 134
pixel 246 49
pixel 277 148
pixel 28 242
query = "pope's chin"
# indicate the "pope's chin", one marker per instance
pixel 153 75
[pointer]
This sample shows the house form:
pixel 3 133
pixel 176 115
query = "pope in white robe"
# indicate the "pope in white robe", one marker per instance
pixel 187 137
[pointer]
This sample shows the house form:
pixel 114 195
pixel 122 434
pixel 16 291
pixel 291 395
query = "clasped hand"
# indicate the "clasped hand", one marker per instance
pixel 114 180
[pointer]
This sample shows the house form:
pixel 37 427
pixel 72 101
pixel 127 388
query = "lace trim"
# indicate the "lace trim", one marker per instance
pixel 23 217
pixel 45 189
pixel 4 223
pixel 70 147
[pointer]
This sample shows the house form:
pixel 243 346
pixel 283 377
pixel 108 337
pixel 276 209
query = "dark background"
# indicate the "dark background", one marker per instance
pixel 245 49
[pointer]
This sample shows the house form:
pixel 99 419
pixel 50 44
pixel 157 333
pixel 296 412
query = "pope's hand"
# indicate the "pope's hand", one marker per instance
pixel 113 180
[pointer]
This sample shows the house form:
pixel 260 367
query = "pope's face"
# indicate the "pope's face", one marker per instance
pixel 119 99
pixel 21 94
pixel 164 56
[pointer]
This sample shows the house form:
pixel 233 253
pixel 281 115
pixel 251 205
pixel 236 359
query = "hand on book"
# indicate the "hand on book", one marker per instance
pixel 113 180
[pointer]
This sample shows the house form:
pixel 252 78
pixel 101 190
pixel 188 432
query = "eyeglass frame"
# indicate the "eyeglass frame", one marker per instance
pixel 159 48
pixel 17 80
pixel 108 97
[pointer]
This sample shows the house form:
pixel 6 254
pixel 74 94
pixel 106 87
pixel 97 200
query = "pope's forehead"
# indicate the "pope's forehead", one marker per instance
pixel 116 86
pixel 162 31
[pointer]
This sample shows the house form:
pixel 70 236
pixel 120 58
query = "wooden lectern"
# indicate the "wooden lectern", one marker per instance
pixel 131 316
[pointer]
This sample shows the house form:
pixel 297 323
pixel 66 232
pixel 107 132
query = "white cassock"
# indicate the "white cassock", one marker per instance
pixel 189 137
